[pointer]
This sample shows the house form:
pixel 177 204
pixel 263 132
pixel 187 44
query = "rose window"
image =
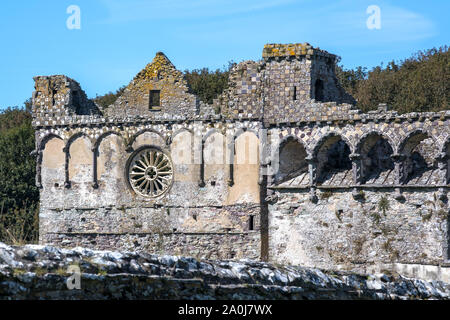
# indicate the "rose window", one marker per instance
pixel 150 173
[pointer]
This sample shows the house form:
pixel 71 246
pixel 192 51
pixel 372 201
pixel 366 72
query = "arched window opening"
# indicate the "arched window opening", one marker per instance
pixel 334 164
pixel 377 164
pixel 292 163
pixel 420 167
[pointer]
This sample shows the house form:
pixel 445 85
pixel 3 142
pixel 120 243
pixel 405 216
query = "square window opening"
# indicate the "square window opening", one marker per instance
pixel 155 100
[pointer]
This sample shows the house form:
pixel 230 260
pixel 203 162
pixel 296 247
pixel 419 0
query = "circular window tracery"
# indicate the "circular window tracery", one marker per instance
pixel 150 172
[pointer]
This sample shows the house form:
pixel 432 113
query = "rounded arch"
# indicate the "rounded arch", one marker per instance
pixel 285 140
pixel 214 150
pixel 75 137
pixel 210 133
pixel 108 158
pixel 181 130
pixel 412 139
pixel 244 169
pixel 104 136
pixel 43 141
pixel 420 149
pixel 369 134
pixel 182 152
pixel 290 138
pixel 332 157
pixel 330 137
pixel 51 161
pixel 246 151
pixel 291 160
pixel 240 131
pixel 142 131
pixel 375 150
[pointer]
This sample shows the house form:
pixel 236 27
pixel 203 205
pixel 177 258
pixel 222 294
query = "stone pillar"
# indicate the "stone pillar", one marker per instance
pixel 67 183
pixel 94 167
pixel 312 170
pixel 399 174
pixel 442 160
pixel 357 174
pixel 201 178
pixel 356 168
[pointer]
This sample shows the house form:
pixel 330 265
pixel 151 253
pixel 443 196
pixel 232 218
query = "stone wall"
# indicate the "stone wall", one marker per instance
pixel 353 234
pixel 281 166
pixel 42 272
pixel 85 191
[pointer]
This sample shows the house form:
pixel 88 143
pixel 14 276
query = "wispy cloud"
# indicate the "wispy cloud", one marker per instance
pixel 138 10
pixel 341 23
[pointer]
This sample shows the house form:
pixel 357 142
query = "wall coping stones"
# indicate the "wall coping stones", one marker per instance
pixel 24 269
pixel 83 120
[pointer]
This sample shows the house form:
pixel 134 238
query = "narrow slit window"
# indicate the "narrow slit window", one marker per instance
pixel 251 223
pixel 294 97
pixel 155 99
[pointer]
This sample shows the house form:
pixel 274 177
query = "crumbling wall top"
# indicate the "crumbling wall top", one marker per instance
pixel 293 50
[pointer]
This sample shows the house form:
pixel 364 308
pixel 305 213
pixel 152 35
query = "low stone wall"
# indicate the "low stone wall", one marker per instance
pixel 200 245
pixel 42 272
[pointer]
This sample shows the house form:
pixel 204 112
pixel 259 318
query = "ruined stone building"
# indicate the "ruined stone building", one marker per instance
pixel 280 167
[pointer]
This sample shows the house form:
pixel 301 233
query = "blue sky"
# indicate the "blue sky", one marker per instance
pixel 118 38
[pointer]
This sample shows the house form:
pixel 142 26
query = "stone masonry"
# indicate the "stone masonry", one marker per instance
pixel 281 167
pixel 36 272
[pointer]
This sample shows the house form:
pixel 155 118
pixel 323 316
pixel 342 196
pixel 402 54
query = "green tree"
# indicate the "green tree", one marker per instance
pixel 108 99
pixel 19 196
pixel 208 84
pixel 420 83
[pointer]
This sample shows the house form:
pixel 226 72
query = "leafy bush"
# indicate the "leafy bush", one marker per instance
pixel 207 84
pixel 108 99
pixel 19 197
